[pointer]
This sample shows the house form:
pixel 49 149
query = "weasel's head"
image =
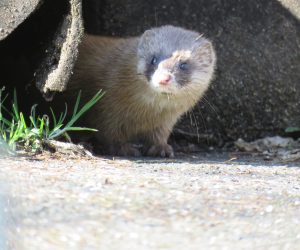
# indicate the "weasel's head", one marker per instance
pixel 173 59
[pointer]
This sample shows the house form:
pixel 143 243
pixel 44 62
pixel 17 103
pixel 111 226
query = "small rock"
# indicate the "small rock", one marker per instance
pixel 269 209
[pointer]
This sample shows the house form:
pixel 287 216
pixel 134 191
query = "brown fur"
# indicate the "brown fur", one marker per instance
pixel 130 109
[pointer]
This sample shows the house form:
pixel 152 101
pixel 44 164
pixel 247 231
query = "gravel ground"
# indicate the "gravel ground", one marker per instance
pixel 216 201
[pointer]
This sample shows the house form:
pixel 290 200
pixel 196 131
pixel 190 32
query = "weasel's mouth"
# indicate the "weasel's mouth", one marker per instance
pixel 167 90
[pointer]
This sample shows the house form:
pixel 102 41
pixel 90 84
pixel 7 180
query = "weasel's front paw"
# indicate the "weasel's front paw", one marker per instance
pixel 162 150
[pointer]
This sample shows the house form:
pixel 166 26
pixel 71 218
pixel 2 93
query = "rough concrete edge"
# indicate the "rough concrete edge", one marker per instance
pixel 293 6
pixel 57 79
pixel 13 21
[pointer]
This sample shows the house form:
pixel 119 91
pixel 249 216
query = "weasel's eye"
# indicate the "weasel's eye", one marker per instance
pixel 154 60
pixel 184 66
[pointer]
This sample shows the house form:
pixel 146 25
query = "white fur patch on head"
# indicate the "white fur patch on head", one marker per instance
pixel 155 79
pixel 185 54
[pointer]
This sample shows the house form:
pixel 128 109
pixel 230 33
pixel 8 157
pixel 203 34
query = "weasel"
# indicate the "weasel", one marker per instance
pixel 149 82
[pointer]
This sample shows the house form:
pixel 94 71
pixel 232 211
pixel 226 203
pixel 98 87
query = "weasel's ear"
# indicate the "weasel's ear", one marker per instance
pixel 204 50
pixel 147 34
pixel 142 51
pixel 144 41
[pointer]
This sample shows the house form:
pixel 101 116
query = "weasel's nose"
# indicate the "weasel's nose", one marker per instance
pixel 165 79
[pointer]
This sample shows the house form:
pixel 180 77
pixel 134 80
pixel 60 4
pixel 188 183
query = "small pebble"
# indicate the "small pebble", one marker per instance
pixel 269 209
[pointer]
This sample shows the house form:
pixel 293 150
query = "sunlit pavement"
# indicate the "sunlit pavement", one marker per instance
pixel 197 202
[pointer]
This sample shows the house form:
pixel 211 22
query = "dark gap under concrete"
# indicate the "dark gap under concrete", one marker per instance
pixel 24 49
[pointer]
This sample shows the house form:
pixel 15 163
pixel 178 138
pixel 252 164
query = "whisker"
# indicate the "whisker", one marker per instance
pixel 196 121
pixel 210 105
pixel 200 36
pixel 196 125
pixel 204 124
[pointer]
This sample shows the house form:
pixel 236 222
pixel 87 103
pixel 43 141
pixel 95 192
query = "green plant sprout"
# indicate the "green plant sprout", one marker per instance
pixel 17 132
pixel 292 129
